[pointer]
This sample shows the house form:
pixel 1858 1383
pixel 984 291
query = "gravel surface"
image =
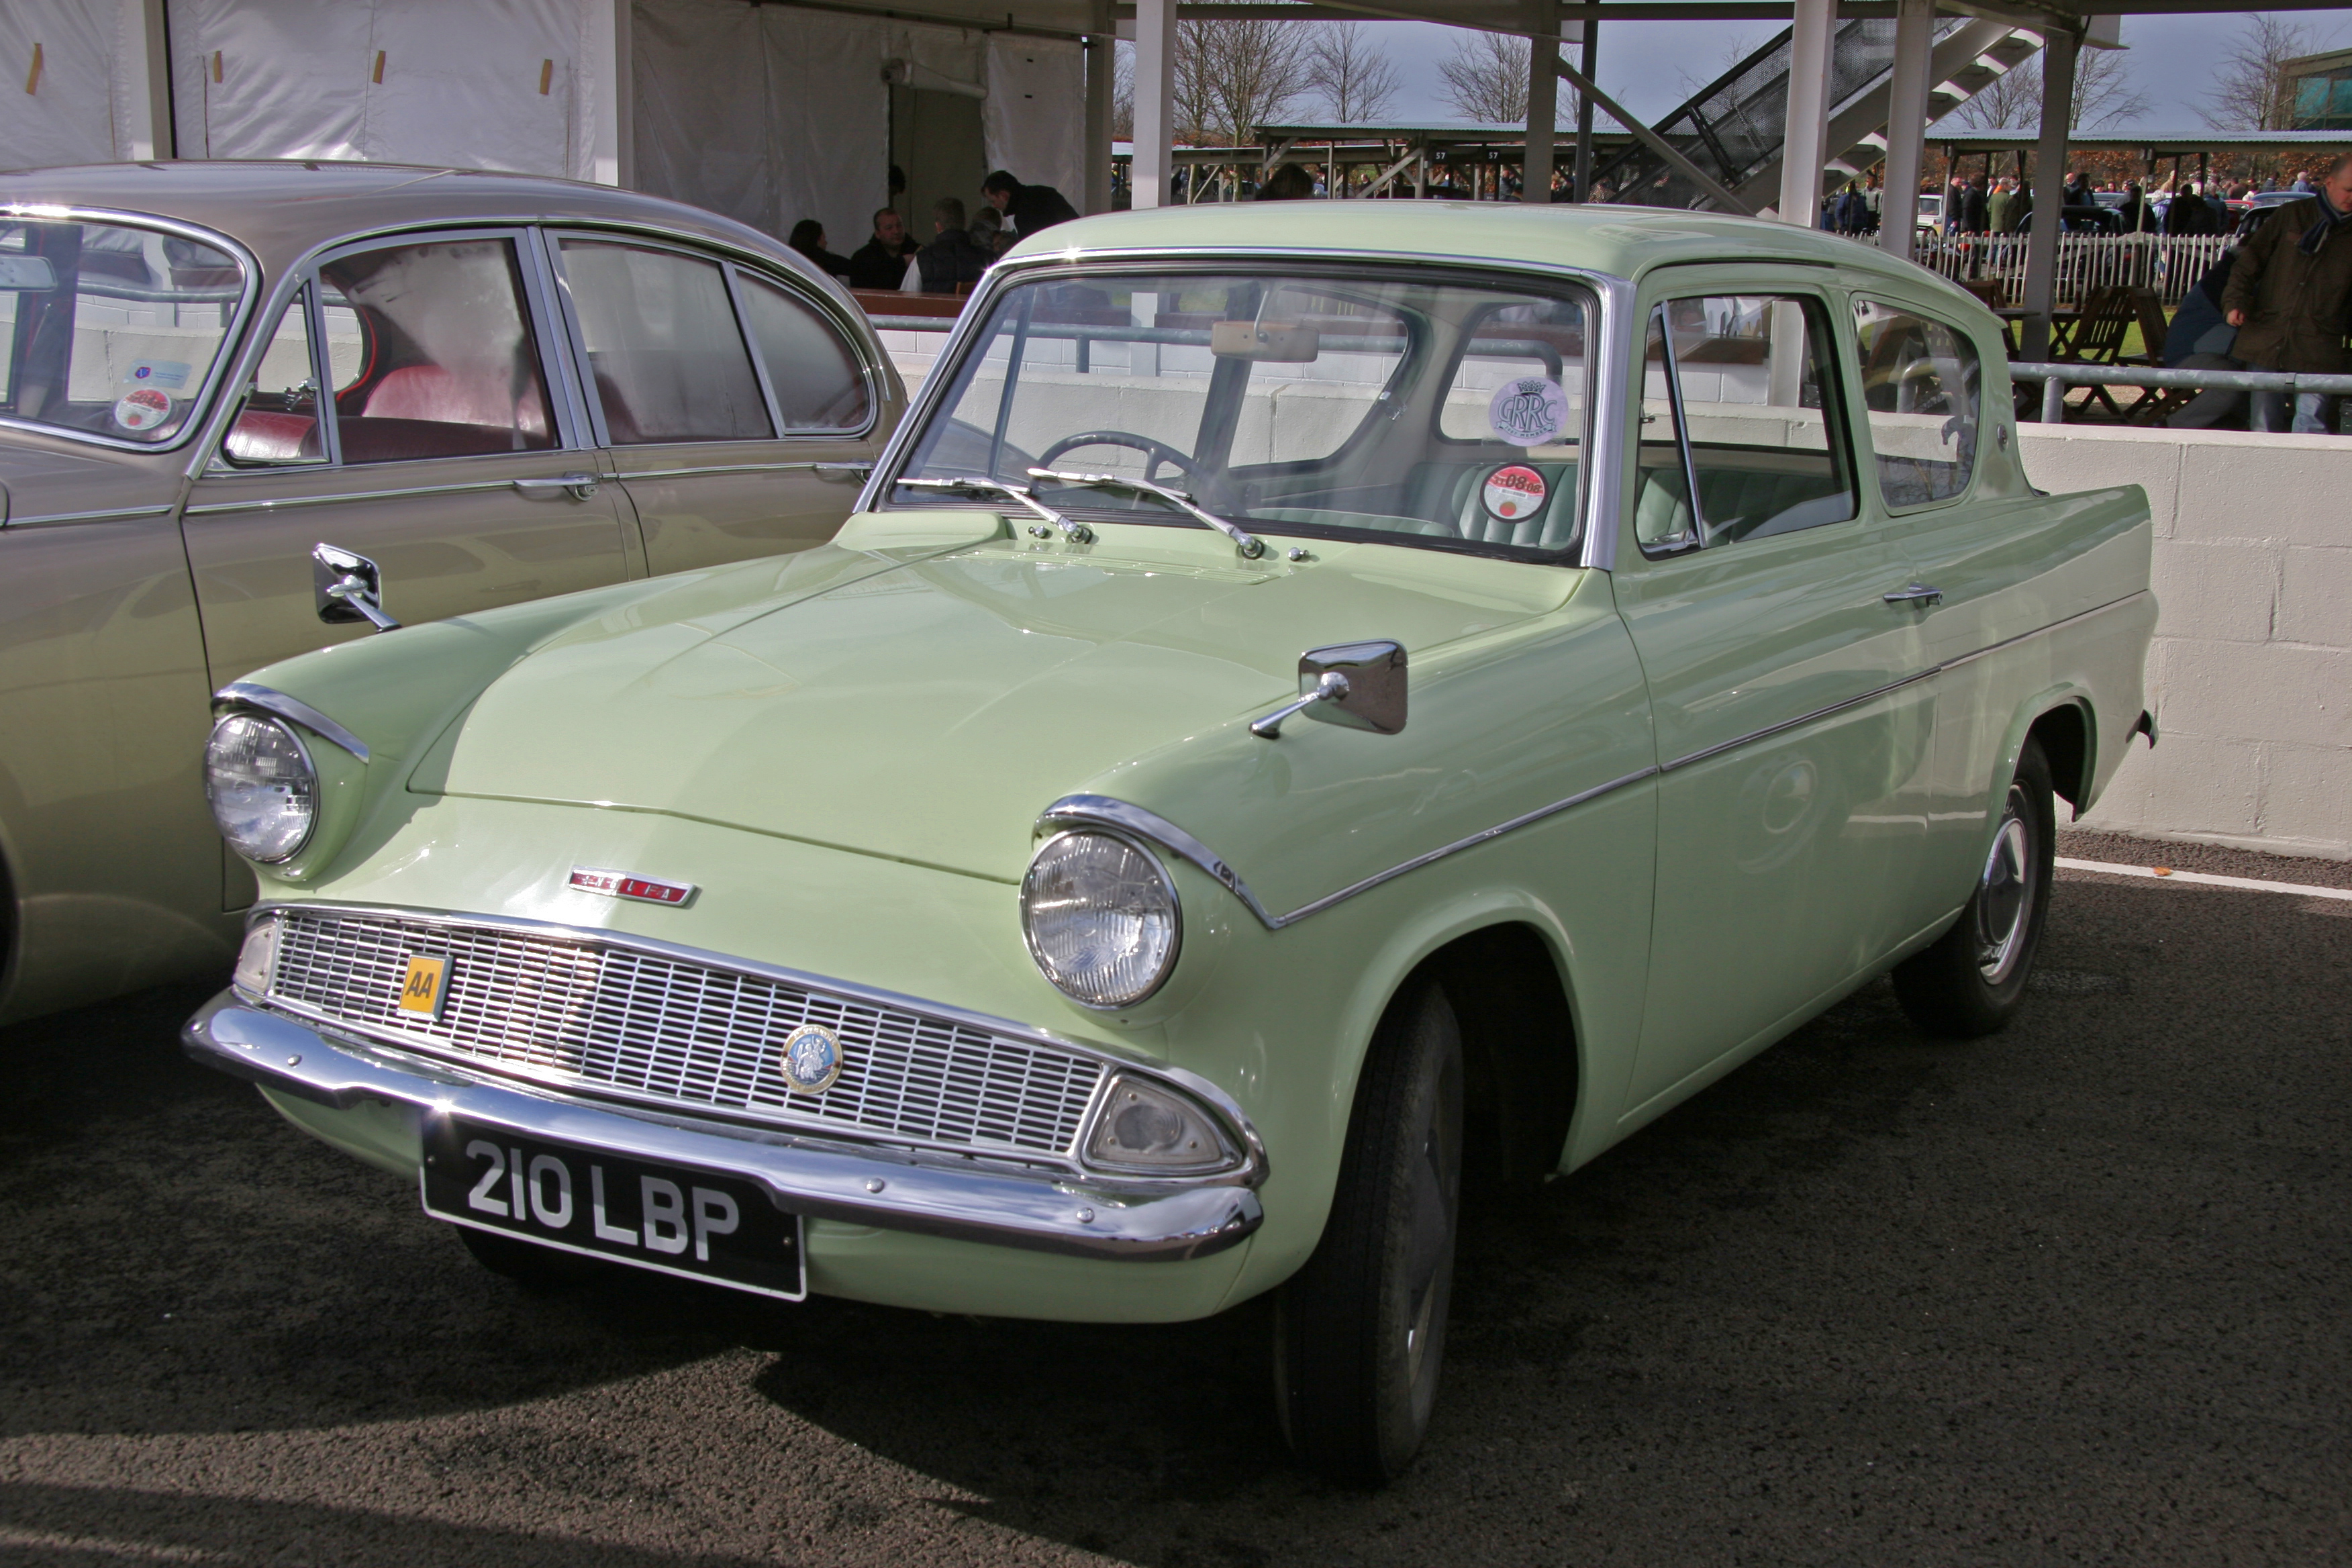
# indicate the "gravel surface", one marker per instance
pixel 2073 1294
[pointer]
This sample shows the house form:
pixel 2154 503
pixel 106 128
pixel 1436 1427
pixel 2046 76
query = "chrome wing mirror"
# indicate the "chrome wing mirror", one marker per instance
pixel 349 588
pixel 1360 685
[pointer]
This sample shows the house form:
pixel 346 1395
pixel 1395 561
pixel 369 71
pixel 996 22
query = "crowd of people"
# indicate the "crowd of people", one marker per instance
pixel 961 246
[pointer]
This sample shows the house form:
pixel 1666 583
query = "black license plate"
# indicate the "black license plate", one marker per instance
pixel 675 1220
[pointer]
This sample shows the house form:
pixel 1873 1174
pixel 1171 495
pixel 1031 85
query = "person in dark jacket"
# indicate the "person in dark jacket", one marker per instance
pixel 952 258
pixel 2290 297
pixel 808 238
pixel 1030 208
pixel 881 261
pixel 1975 217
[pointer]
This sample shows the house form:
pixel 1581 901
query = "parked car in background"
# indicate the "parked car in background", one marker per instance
pixel 2255 210
pixel 529 387
pixel 1318 701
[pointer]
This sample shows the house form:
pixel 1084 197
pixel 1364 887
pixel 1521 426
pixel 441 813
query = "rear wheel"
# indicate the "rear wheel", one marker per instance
pixel 538 1268
pixel 1972 981
pixel 1360 1332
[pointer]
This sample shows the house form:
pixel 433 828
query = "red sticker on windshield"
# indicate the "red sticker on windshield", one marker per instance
pixel 142 409
pixel 1513 492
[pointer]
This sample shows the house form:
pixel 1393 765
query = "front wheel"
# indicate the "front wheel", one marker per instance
pixel 1360 1332
pixel 1972 981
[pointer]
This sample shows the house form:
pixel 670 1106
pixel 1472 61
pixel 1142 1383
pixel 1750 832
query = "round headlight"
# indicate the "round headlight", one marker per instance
pixel 263 790
pixel 1100 917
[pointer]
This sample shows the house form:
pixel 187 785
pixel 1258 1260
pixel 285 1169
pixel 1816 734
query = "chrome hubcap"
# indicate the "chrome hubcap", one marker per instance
pixel 2004 894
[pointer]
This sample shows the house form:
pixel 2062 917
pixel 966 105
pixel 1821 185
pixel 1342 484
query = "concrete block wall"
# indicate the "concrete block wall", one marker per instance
pixel 2251 671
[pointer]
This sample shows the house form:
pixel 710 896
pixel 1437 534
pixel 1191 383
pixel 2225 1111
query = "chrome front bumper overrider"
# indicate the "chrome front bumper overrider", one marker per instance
pixel 965 1200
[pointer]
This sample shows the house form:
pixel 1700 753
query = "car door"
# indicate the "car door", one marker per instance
pixel 1791 712
pixel 448 448
pixel 733 401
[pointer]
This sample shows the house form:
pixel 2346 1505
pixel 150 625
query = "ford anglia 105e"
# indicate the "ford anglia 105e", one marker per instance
pixel 1313 699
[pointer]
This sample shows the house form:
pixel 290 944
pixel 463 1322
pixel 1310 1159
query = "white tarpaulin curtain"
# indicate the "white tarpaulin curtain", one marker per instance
pixel 61 107
pixel 477 84
pixel 1034 115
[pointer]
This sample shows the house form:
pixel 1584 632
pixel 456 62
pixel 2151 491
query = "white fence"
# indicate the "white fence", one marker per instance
pixel 2170 264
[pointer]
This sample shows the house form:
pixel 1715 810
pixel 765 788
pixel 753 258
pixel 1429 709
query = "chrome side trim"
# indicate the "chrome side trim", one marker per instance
pixel 1136 820
pixel 994 1202
pixel 276 503
pixel 246 694
pixel 624 475
pixel 1238 1124
pixel 100 516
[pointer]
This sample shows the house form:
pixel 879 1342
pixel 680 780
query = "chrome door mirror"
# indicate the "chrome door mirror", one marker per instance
pixel 348 586
pixel 1360 685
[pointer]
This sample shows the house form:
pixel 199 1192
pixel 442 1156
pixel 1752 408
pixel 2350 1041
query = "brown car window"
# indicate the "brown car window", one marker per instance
pixel 664 349
pixel 446 363
pixel 814 374
pixel 278 418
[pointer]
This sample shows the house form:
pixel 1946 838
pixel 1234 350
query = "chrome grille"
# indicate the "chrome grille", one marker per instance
pixel 662 1028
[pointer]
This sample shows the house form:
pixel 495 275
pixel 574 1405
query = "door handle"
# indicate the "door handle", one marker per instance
pixel 578 487
pixel 1916 594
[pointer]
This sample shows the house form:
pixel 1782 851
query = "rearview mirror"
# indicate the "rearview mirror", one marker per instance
pixel 1356 685
pixel 349 588
pixel 1282 343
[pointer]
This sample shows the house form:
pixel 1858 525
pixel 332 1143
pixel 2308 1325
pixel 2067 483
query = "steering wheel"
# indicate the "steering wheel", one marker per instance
pixel 1210 490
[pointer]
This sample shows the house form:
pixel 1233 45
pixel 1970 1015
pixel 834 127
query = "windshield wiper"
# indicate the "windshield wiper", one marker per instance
pixel 974 485
pixel 1250 546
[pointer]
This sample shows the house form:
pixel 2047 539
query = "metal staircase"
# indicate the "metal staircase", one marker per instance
pixel 1735 126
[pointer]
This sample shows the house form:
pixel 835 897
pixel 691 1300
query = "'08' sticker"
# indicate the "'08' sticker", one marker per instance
pixel 1513 492
pixel 142 409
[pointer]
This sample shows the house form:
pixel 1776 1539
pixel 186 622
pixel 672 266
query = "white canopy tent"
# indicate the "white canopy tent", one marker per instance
pixel 769 113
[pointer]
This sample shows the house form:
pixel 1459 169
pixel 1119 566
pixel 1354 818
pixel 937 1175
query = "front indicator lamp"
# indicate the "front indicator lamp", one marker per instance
pixel 1146 1129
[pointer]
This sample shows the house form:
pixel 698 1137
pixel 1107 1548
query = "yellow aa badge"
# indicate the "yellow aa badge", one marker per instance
pixel 423 985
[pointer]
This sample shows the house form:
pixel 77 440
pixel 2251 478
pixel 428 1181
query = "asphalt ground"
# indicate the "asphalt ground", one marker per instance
pixel 2073 1294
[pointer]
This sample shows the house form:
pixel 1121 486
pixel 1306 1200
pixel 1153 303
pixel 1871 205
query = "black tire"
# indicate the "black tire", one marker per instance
pixel 1972 981
pixel 541 1269
pixel 1360 1332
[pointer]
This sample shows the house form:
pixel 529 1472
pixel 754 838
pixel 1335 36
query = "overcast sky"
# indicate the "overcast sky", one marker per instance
pixel 1643 64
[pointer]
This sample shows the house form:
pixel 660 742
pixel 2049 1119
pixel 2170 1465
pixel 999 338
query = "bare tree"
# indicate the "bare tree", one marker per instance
pixel 1232 76
pixel 2104 94
pixel 2249 91
pixel 1354 76
pixel 1486 78
pixel 1122 92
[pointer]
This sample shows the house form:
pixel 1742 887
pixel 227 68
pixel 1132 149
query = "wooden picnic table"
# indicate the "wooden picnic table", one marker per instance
pixel 2062 330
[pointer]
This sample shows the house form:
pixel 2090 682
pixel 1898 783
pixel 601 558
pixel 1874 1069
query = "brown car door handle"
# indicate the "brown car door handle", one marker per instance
pixel 578 487
pixel 1916 593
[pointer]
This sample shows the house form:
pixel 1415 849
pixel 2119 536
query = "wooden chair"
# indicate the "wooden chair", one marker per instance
pixel 2108 316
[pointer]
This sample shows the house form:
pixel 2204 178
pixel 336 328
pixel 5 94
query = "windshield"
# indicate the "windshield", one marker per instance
pixel 1442 412
pixel 108 329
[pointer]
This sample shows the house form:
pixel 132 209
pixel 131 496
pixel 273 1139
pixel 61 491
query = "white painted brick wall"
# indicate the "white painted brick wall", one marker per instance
pixel 2252 670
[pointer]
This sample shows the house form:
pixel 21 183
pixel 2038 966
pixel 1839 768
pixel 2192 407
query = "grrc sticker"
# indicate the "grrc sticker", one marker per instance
pixel 142 410
pixel 1528 412
pixel 1514 492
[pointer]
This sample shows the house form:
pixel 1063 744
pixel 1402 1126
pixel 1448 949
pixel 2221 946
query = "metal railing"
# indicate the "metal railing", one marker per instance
pixel 2056 378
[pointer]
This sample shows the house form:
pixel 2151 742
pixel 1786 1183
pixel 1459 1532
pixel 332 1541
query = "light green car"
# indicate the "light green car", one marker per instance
pixel 1242 765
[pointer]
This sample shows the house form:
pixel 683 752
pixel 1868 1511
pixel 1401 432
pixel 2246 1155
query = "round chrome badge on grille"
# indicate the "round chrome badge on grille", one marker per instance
pixel 811 1060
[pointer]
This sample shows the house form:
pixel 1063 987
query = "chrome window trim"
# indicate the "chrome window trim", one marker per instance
pixel 1613 297
pixel 246 694
pixel 232 333
pixel 695 468
pixel 1111 811
pixel 1255 1165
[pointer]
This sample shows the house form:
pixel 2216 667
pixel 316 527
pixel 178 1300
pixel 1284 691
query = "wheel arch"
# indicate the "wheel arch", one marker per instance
pixel 2064 721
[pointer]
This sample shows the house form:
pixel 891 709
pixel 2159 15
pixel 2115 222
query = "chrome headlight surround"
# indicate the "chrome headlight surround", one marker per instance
pixel 1090 872
pixel 262 787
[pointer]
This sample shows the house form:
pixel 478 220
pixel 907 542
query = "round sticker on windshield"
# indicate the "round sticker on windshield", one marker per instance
pixel 1512 493
pixel 1528 411
pixel 142 409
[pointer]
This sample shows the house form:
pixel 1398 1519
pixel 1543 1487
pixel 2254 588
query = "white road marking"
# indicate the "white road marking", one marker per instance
pixel 2201 878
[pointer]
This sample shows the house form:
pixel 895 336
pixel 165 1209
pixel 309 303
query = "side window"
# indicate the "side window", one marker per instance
pixel 664 350
pixel 814 374
pixel 441 352
pixel 278 418
pixel 1756 433
pixel 1921 382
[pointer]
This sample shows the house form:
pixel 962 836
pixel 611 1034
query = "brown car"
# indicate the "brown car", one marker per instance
pixel 532 386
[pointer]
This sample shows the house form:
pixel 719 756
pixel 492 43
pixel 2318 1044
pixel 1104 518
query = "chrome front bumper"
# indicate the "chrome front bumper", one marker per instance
pixel 966 1200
